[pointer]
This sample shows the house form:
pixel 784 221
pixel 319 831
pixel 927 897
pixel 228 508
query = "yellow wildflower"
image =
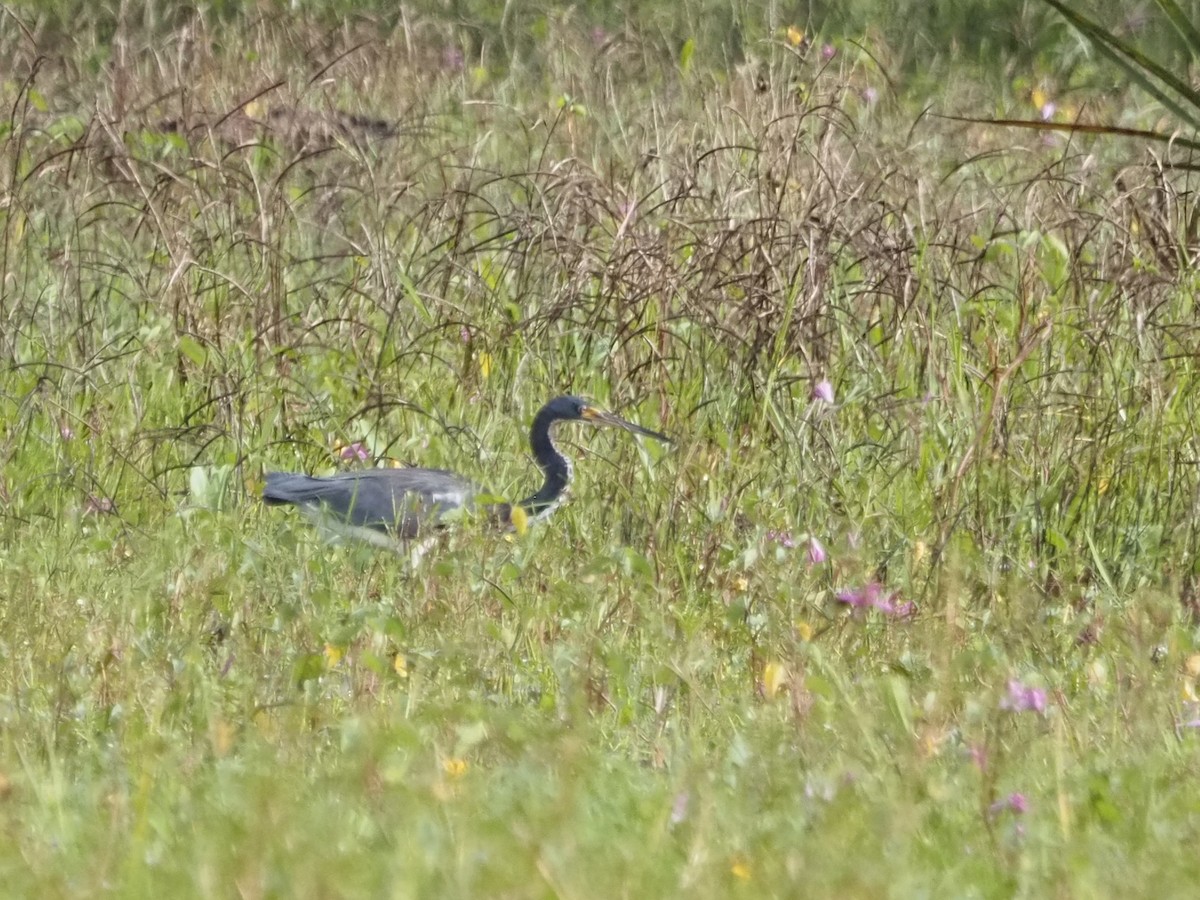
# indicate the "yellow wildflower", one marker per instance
pixel 333 655
pixel 775 678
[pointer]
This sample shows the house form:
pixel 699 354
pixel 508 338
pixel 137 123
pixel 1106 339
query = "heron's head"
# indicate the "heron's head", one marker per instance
pixel 578 409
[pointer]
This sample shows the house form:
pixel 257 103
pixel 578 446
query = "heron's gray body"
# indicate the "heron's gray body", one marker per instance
pixel 395 502
pixel 383 505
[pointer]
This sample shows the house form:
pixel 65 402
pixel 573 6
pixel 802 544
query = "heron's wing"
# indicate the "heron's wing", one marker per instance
pixel 400 501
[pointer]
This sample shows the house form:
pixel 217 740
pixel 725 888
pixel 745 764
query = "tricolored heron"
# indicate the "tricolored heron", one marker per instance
pixel 384 505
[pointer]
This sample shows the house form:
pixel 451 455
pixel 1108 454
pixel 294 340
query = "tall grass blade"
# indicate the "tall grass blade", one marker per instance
pixel 1136 65
pixel 1176 16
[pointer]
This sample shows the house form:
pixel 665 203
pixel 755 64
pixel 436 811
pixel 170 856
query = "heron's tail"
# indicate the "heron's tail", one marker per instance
pixel 290 487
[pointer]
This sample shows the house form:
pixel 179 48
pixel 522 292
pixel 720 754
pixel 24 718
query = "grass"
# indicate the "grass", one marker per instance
pixel 658 692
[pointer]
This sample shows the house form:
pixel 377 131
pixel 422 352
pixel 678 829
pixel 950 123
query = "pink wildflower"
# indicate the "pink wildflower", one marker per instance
pixel 1018 804
pixel 1023 698
pixel 355 451
pixel 872 597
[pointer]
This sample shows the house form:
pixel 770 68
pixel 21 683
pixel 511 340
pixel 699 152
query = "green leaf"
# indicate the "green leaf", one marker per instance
pixel 1056 540
pixel 193 349
pixel 686 54
pixel 307 667
pixel 1182 24
pixel 1098 561
pixel 198 483
pixel 820 686
pixel 900 702
pixel 207 485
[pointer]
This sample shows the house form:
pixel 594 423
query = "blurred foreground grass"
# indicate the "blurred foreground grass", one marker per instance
pixel 660 691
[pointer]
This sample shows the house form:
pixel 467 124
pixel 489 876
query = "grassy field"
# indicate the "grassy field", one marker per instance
pixel 910 610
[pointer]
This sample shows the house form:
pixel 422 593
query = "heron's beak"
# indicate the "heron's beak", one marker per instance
pixel 600 417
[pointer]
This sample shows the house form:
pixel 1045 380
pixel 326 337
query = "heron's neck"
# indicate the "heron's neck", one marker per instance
pixel 555 467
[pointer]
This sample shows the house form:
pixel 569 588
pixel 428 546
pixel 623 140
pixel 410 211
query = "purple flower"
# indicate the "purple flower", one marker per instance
pixel 453 59
pixel 890 607
pixel 823 391
pixel 1048 110
pixel 1017 804
pixel 464 334
pixel 861 598
pixel 871 597
pixel 870 94
pixel 1023 698
pixel 816 552
pixel 599 36
pixel 828 52
pixel 783 538
pixel 65 432
pixel 355 451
